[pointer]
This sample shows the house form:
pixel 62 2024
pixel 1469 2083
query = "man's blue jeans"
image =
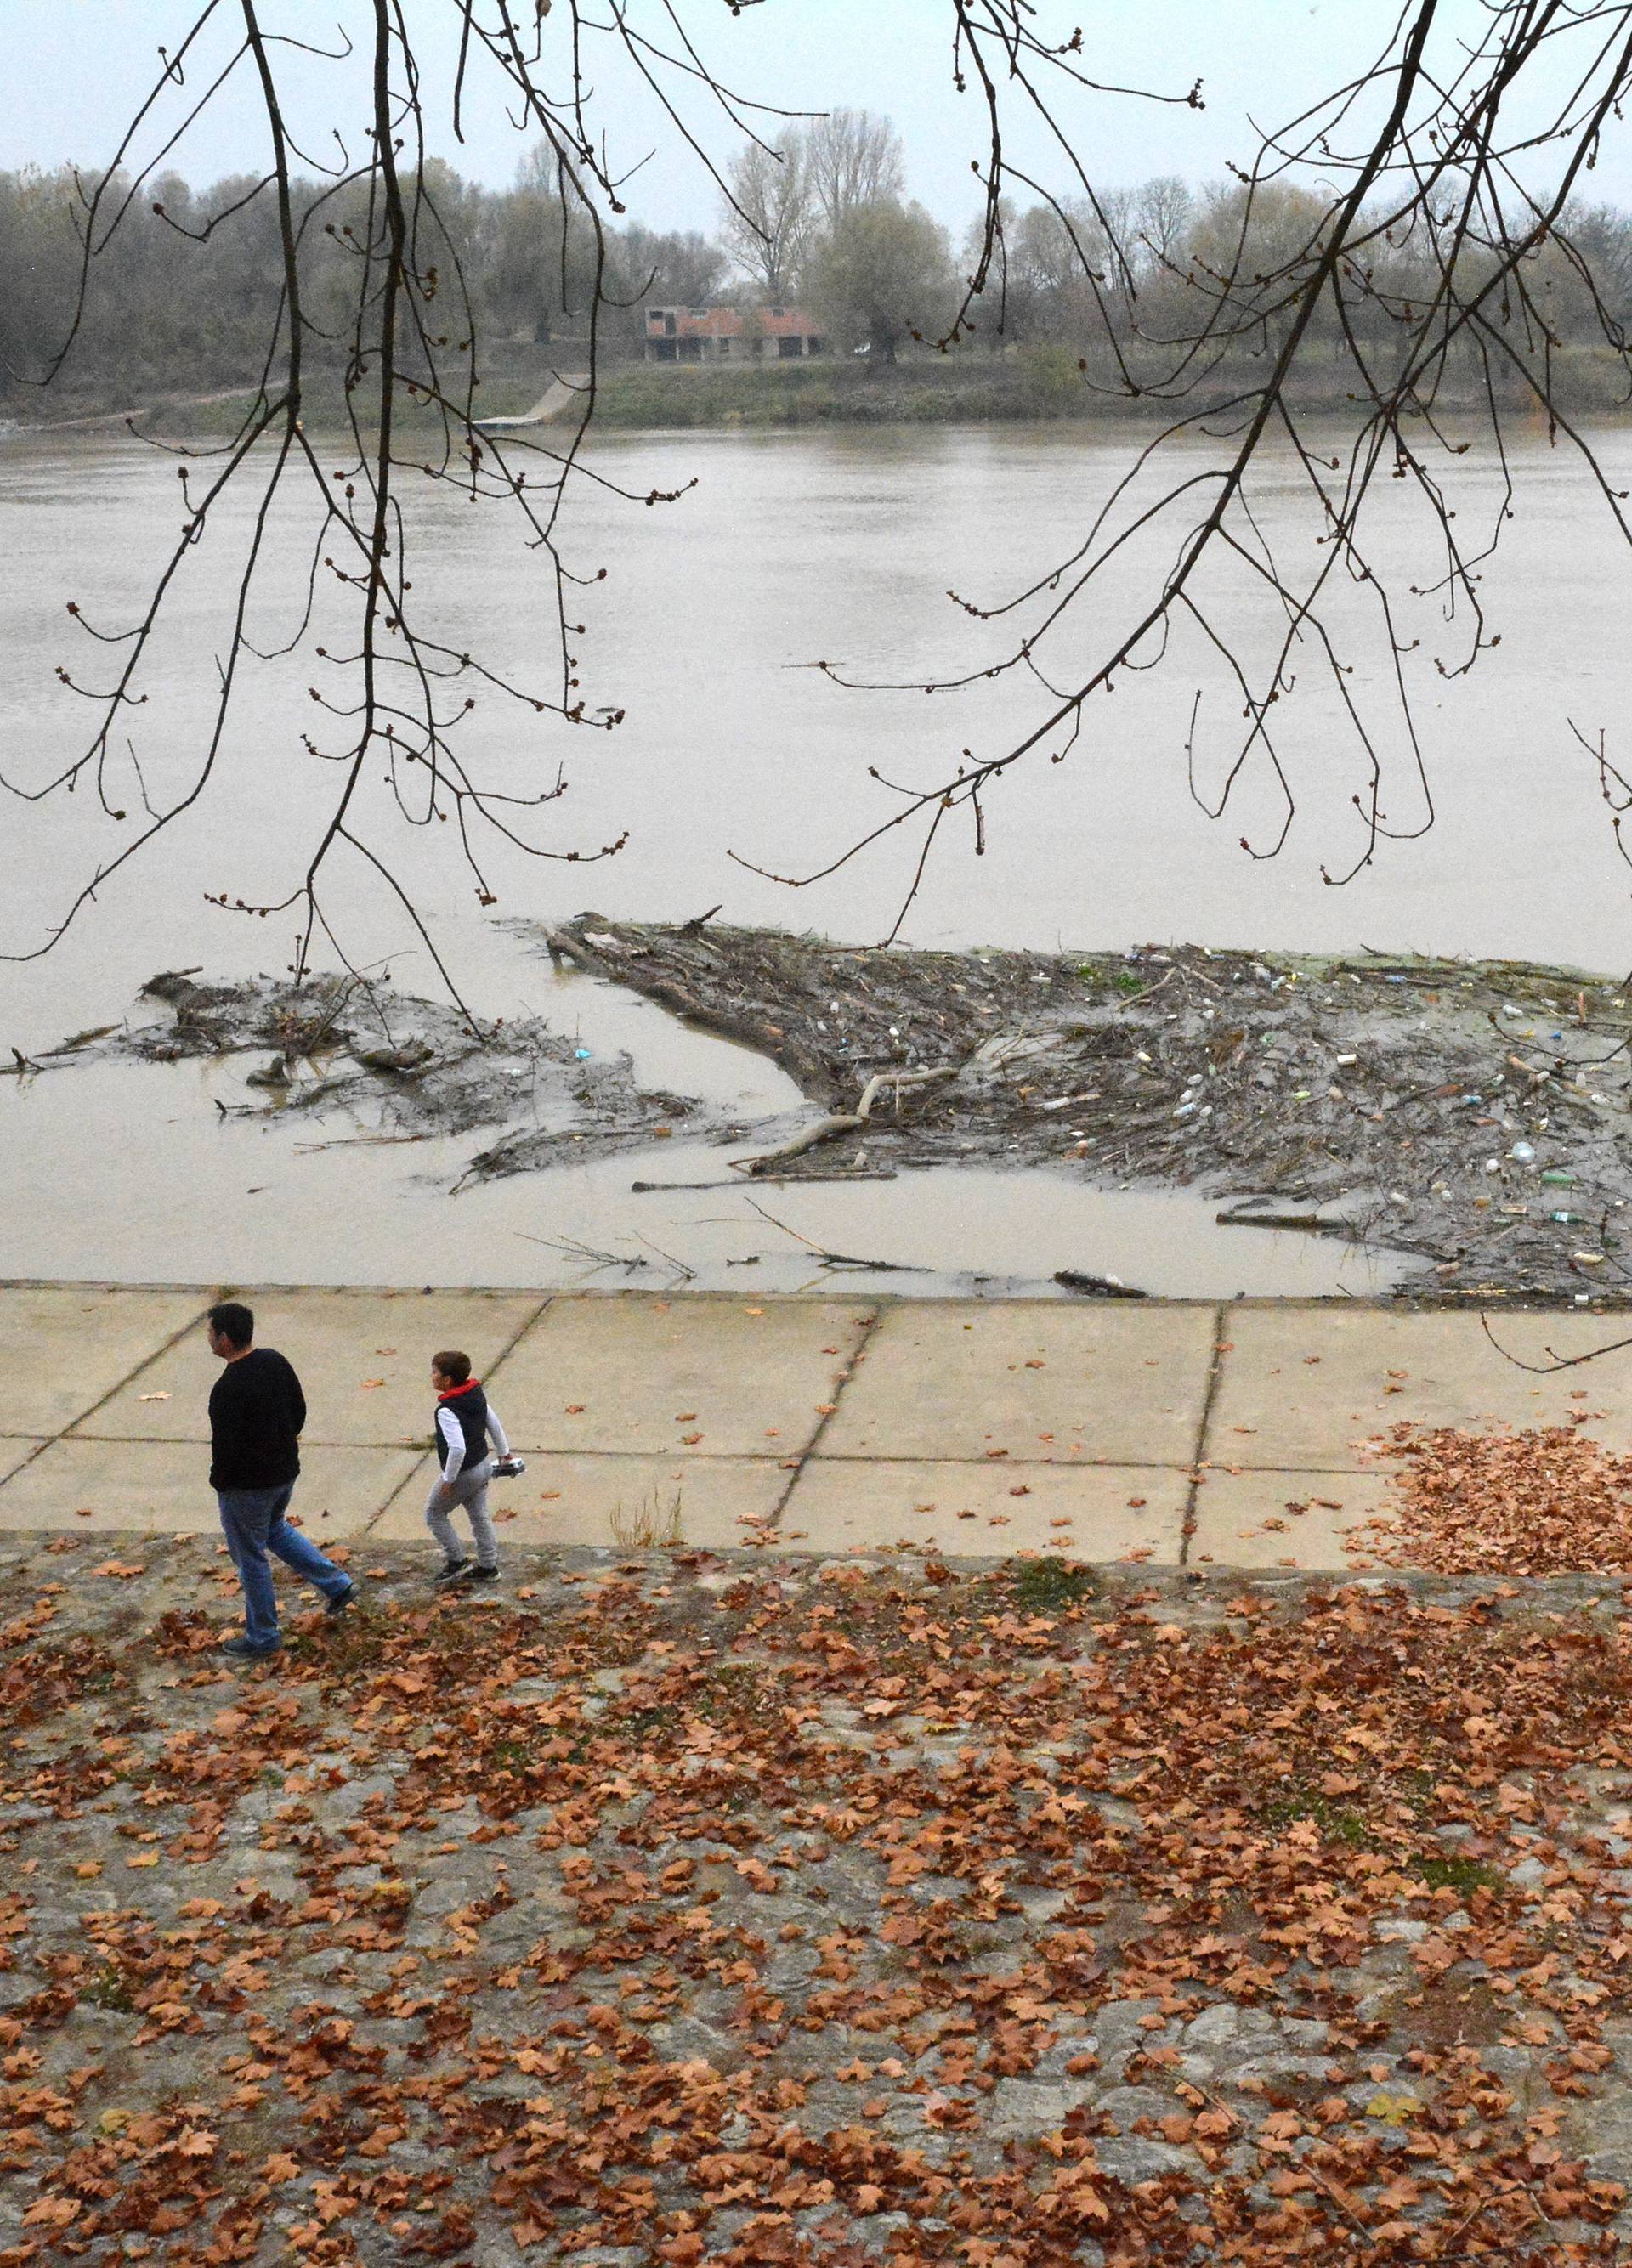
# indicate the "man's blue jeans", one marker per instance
pixel 252 1522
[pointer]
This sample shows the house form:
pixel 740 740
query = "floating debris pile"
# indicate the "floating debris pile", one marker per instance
pixel 1473 1114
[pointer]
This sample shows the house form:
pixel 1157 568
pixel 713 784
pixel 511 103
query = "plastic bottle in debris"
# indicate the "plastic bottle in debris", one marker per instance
pixel 1558 1180
pixel 1564 1218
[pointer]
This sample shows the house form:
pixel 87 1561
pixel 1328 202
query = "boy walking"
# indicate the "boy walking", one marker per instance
pixel 465 1423
pixel 256 1412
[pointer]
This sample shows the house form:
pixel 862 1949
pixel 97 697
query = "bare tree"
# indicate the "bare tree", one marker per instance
pixel 852 159
pixel 1406 232
pixel 767 213
pixel 1162 211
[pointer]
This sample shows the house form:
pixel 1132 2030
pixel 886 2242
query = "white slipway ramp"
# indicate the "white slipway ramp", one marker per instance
pixel 562 394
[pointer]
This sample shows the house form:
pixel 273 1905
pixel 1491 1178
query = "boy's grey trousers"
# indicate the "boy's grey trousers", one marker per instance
pixel 470 1491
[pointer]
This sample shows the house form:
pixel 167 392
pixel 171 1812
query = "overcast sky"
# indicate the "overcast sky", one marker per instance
pixel 76 68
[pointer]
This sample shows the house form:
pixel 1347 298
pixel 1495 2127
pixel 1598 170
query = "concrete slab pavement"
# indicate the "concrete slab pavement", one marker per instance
pixel 66 1346
pixel 972 1510
pixel 667 1377
pixel 1125 1381
pixel 1305 1388
pixel 363 1359
pixel 1168 1432
pixel 1285 1520
pixel 162 1488
pixel 711 1503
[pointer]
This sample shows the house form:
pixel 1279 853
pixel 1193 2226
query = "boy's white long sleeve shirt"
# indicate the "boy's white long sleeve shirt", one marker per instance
pixel 451 1435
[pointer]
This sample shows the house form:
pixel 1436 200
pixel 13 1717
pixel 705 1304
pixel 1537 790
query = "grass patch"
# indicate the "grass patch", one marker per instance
pixel 651 1524
pixel 736 1691
pixel 110 1989
pixel 1049 1587
pixel 1336 1824
pixel 1462 1875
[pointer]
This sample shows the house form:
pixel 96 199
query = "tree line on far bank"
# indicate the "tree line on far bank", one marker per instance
pixel 1142 287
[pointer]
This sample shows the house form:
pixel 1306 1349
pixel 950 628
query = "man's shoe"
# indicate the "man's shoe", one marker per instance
pixel 245 1649
pixel 454 1572
pixel 335 1607
pixel 482 1574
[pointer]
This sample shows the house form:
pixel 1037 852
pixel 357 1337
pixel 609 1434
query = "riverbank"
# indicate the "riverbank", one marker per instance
pixel 955 1768
pixel 1038 383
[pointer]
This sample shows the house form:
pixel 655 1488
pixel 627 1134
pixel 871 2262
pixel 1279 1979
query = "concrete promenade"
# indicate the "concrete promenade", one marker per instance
pixel 1171 1433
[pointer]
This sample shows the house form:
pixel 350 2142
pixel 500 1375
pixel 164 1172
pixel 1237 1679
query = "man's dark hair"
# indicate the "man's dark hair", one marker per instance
pixel 235 1322
pixel 453 1365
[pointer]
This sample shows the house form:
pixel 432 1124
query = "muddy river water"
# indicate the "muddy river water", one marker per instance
pixel 791 547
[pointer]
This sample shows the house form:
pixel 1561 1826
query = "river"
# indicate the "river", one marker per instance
pixel 791 547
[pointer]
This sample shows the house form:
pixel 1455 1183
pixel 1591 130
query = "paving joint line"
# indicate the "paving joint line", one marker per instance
pixel 1215 1371
pixel 988 1464
pixel 118 1386
pixel 869 1327
pixel 499 1359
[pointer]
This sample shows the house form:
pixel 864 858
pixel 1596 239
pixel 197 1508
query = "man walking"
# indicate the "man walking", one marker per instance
pixel 256 1412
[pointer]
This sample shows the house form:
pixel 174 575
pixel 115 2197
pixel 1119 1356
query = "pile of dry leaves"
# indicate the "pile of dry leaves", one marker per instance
pixel 806 1914
pixel 1546 1500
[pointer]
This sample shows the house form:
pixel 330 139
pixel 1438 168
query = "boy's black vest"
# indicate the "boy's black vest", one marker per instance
pixel 470 1407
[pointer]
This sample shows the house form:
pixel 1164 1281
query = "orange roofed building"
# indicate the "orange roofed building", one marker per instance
pixel 730 335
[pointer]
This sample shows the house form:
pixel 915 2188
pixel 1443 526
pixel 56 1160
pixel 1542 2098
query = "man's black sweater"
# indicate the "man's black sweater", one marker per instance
pixel 257 1411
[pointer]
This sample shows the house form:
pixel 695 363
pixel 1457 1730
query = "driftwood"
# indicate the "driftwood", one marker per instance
pixel 792 1180
pixel 1312 1224
pixel 805 1066
pixel 1102 1287
pixel 842 1259
pixel 845 1122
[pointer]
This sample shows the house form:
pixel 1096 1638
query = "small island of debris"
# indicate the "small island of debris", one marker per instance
pixel 1474 1115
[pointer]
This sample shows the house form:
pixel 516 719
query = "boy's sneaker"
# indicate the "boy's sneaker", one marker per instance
pixel 479 1574
pixel 245 1649
pixel 452 1573
pixel 335 1607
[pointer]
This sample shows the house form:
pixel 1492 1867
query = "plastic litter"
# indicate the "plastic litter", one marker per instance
pixel 1524 1152
pixel 1564 1218
pixel 582 1053
pixel 1556 1178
